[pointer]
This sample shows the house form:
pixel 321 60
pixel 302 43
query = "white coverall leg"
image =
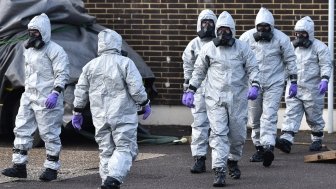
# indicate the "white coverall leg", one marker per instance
pixel 313 110
pixel 200 126
pixel 268 114
pixel 218 140
pixel 118 148
pixel 32 116
pixel 237 127
pixel 228 130
pixel 254 119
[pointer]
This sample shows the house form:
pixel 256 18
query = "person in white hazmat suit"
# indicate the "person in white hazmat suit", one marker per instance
pixel 314 69
pixel 113 85
pixel 200 127
pixel 275 55
pixel 41 105
pixel 229 67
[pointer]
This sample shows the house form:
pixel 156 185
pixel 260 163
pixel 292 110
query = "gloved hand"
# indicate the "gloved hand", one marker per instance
pixel 77 121
pixel 323 86
pixel 147 110
pixel 190 99
pixel 184 98
pixel 252 93
pixel 185 88
pixel 144 109
pixel 292 90
pixel 51 100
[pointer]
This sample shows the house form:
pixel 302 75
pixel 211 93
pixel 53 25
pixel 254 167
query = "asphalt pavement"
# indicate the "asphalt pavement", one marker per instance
pixel 166 166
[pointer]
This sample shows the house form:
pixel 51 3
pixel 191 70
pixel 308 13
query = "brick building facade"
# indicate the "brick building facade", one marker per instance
pixel 159 30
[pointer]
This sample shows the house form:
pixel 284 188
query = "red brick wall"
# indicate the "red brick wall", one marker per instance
pixel 158 29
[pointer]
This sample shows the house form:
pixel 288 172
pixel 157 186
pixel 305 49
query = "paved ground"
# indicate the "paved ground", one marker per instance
pixel 166 166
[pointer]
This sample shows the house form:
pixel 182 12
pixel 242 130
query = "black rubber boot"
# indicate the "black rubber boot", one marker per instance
pixel 111 183
pixel 283 145
pixel 48 175
pixel 258 156
pixel 268 156
pixel 199 166
pixel 17 171
pixel 234 171
pixel 316 145
pixel 219 180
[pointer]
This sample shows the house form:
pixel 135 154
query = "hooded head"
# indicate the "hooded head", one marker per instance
pixel 226 20
pixel 225 30
pixel 42 24
pixel 264 25
pixel 109 40
pixel 38 31
pixel 206 15
pixel 305 24
pixel 304 32
pixel 264 16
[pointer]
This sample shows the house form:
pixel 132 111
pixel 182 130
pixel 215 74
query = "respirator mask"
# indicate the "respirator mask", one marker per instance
pixel 207 29
pixel 224 37
pixel 301 39
pixel 263 32
pixel 35 39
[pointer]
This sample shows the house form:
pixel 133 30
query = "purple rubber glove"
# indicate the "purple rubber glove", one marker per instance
pixel 51 100
pixel 184 98
pixel 323 86
pixel 292 90
pixel 252 93
pixel 77 121
pixel 190 100
pixel 147 112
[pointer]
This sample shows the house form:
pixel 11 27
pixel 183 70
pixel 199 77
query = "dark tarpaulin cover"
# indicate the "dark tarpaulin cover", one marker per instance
pixel 72 28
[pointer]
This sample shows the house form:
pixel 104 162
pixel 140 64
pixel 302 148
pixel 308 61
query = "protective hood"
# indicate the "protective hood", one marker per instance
pixel 264 16
pixel 109 40
pixel 305 24
pixel 205 14
pixel 225 19
pixel 42 24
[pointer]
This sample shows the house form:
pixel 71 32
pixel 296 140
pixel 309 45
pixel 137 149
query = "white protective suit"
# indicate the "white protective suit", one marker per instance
pixel 200 126
pixel 45 69
pixel 313 63
pixel 113 85
pixel 274 59
pixel 228 72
